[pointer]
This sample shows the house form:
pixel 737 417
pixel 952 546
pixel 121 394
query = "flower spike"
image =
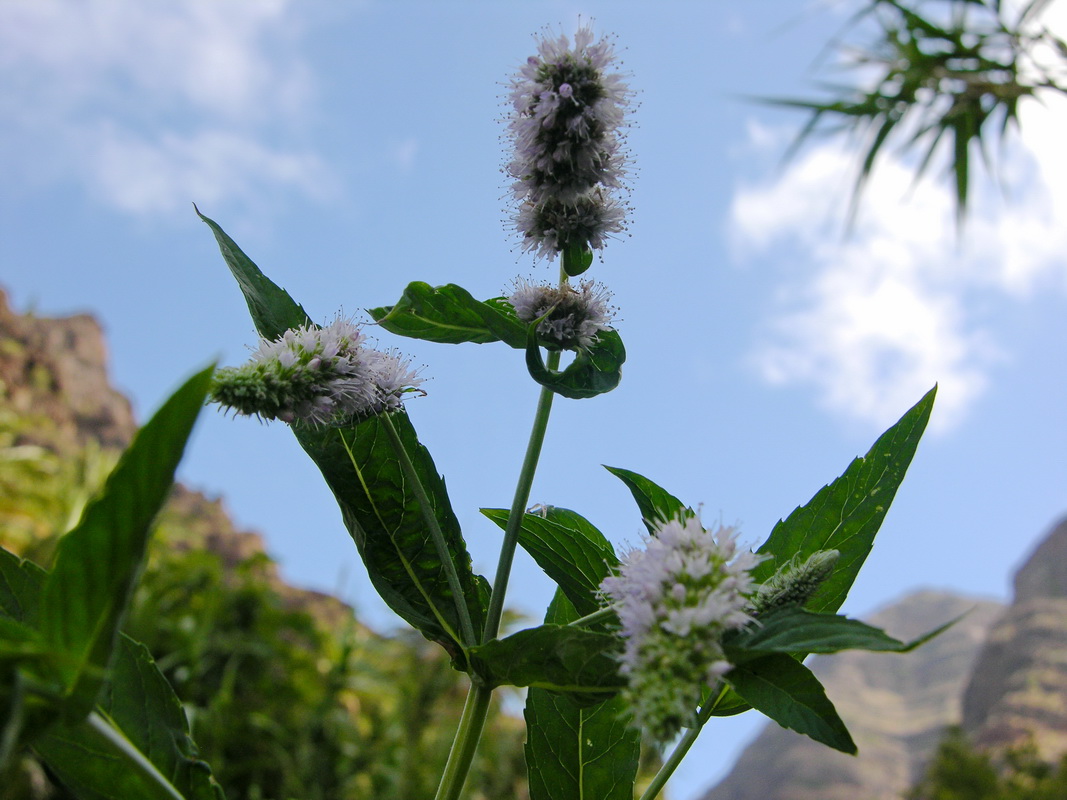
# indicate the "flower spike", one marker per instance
pixel 675 600
pixel 320 376
pixel 568 114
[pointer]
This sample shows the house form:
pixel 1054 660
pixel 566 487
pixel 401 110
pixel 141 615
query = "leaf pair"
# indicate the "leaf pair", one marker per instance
pixel 450 315
pixel 580 750
pixel 90 701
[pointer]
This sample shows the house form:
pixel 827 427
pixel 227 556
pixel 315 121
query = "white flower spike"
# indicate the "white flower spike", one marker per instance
pixel 568 115
pixel 575 316
pixel 316 375
pixel 675 599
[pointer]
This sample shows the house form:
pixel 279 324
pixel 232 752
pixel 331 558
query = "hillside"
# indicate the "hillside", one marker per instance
pixel 287 693
pixel 896 707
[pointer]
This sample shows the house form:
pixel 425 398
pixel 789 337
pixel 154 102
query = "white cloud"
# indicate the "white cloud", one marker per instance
pixel 871 320
pixel 167 173
pixel 192 90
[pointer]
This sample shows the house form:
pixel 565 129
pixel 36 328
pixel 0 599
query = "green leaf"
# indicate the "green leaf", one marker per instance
pixel 657 505
pixel 577 257
pixel 377 506
pixel 97 564
pixel 570 550
pixel 794 630
pixel 450 315
pixel 846 514
pixel 21 582
pixel 787 692
pixel 593 371
pixel 271 307
pixel 576 753
pixel 382 514
pixel 562 658
pixel 139 704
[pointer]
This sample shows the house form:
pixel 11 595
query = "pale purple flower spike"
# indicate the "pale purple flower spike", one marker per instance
pixel 675 599
pixel 318 376
pixel 569 158
pixel 576 317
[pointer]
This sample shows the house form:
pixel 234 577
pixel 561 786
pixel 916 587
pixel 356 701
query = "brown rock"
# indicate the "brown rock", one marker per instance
pixel 55 370
pixel 1018 689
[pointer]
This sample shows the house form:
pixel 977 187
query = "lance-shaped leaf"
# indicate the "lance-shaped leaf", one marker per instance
pixel 794 630
pixel 273 310
pixel 593 371
pixel 570 550
pixel 383 516
pixel 85 596
pixel 135 697
pixel 450 315
pixel 657 505
pixel 378 506
pixel 786 691
pixel 145 723
pixel 846 514
pixel 575 752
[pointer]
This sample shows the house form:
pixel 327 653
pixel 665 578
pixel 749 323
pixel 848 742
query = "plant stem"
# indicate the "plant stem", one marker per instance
pixel 595 617
pixel 518 505
pixel 458 597
pixel 680 749
pixel 465 744
pixel 122 749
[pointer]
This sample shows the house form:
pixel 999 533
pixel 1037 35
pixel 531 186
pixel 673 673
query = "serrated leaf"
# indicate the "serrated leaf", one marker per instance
pixel 383 516
pixel 562 658
pixel 657 505
pixel 570 550
pixel 846 514
pixel 141 706
pixel 594 371
pixel 576 753
pixel 794 630
pixel 450 315
pixel 377 506
pixel 85 596
pixel 21 582
pixel 785 690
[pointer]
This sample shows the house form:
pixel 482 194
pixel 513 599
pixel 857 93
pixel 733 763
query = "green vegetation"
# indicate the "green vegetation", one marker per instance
pixel 287 694
pixel 961 772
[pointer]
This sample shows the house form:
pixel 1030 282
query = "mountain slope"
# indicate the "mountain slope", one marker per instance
pixel 895 705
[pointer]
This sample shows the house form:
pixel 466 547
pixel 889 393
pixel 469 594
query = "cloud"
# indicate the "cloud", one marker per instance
pixel 871 320
pixel 164 174
pixel 199 85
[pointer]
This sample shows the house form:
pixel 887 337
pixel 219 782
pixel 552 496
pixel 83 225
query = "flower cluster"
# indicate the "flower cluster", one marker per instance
pixel 675 600
pixel 575 316
pixel 316 375
pixel 569 156
pixel 795 582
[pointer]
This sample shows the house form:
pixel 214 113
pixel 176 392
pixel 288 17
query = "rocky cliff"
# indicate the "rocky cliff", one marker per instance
pixel 56 395
pixel 1018 688
pixel 56 369
pixel 896 707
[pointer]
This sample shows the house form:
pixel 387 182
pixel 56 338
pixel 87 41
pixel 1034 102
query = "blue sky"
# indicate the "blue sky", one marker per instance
pixel 350 148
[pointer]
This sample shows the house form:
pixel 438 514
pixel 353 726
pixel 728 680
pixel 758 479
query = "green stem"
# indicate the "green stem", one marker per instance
pixel 518 505
pixel 595 617
pixel 458 597
pixel 680 749
pixel 475 711
pixel 134 758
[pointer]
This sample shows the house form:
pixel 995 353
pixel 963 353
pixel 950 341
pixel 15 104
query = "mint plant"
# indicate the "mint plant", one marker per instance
pixel 657 642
